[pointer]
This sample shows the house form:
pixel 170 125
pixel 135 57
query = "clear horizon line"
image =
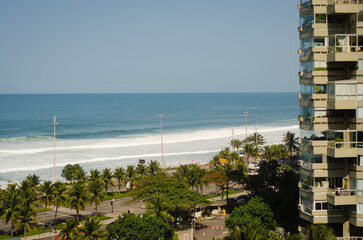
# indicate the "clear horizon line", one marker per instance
pixel 95 93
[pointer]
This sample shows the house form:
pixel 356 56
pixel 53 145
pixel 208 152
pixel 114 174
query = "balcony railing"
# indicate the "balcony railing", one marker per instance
pixel 306 187
pixel 305 5
pixel 332 97
pixel 305 209
pixel 345 192
pixel 305 52
pixel 345 49
pixel 345 2
pixel 349 238
pixel 333 144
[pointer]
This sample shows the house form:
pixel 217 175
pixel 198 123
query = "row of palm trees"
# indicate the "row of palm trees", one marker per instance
pixel 121 175
pixel 313 232
pixel 193 174
pixel 20 202
pixel 89 229
pixel 252 149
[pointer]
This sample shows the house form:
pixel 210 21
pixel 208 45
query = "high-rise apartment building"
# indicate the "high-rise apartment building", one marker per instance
pixel 331 118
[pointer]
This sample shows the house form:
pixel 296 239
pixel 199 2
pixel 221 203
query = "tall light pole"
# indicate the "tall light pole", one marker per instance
pixel 192 228
pixel 246 126
pixel 54 124
pixel 161 134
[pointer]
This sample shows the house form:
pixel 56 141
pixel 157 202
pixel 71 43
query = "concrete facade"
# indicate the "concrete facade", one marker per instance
pixel 331 112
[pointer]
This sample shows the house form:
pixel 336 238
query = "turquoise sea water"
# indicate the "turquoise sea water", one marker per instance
pixel 110 130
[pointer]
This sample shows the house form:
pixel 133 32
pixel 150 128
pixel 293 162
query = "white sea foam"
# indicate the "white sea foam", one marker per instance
pixel 104 159
pixel 141 140
pixel 18 159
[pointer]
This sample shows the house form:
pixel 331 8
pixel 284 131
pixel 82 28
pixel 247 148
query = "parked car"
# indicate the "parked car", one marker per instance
pixel 231 200
pixel 242 199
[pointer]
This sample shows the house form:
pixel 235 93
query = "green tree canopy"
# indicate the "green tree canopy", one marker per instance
pixel 256 138
pixel 291 142
pixel 142 227
pixel 235 143
pixel 170 190
pixel 278 186
pixel 320 232
pixel 69 171
pixel 255 213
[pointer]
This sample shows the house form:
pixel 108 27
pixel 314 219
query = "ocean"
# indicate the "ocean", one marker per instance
pixel 115 130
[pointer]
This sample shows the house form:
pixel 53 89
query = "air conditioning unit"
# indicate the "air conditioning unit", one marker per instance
pixel 300 51
pixel 301 74
pixel 299 6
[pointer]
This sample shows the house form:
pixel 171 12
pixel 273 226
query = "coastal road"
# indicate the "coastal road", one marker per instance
pixel 121 205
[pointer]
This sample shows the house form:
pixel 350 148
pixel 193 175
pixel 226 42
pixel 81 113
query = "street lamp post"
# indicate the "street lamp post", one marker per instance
pixel 192 228
pixel 246 126
pixel 161 135
pixel 54 124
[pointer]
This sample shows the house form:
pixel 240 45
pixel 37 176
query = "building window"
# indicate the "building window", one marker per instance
pixel 320 18
pixel 321 206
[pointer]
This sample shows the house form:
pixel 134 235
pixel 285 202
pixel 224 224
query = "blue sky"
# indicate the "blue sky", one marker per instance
pixel 147 46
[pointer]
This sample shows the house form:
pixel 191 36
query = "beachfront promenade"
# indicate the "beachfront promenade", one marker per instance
pixel 214 226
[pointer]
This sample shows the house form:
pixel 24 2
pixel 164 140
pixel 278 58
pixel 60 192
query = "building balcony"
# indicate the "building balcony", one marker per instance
pixel 356 171
pixel 321 170
pixel 320 30
pixel 359 28
pixel 338 197
pixel 356 219
pixel 344 6
pixel 316 53
pixel 345 54
pixel 313 100
pixel 344 149
pixel 321 216
pixel 318 188
pixel 316 147
pixel 344 95
pixel 322 123
pixel 319 76
pixel 356 124
pixel 345 102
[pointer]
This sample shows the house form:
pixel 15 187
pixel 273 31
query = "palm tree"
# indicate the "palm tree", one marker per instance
pixel 291 142
pixel 46 195
pixel 12 203
pixel 78 197
pixel 80 175
pixel 194 176
pixel 119 174
pixel 248 233
pixel 250 151
pixel 257 139
pixel 153 167
pixel 97 195
pixel 183 171
pixel 2 192
pixel 130 175
pixel 59 196
pixel 202 180
pixel 107 178
pixel 268 153
pixel 281 152
pixel 141 170
pixel 235 143
pixel 69 232
pixel 34 180
pixel 91 229
pixel 157 205
pixel 24 184
pixel 320 232
pixel 95 174
pixel 27 218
